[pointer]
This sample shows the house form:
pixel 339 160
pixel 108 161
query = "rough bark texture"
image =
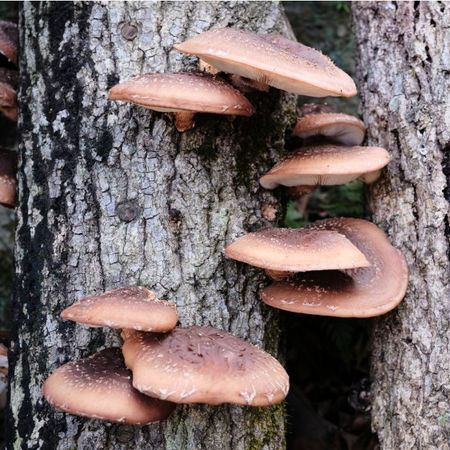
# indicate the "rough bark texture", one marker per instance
pixel 111 194
pixel 404 76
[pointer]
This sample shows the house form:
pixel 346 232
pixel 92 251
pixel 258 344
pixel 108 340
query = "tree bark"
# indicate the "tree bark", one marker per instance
pixel 404 76
pixel 112 195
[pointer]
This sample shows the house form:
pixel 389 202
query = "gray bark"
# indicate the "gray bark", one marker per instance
pixel 404 76
pixel 111 194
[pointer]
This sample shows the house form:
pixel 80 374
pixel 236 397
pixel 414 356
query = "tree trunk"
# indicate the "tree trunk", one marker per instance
pixel 404 76
pixel 112 195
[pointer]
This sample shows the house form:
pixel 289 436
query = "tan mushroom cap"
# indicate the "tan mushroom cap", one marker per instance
pixel 203 365
pixel 8 183
pixel 133 307
pixel 363 292
pixel 271 59
pixel 8 97
pixel 343 128
pixel 183 93
pixel 100 387
pixel 296 250
pixel 9 38
pixel 327 165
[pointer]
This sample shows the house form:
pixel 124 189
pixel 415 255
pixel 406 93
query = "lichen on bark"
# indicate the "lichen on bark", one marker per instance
pixel 111 194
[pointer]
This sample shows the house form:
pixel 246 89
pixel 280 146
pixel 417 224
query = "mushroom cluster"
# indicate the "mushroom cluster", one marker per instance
pixel 338 267
pixel 341 267
pixel 159 364
pixel 332 153
pixel 247 58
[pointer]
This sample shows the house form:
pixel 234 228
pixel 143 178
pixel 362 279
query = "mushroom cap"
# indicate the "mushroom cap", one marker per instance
pixel 271 59
pixel 203 365
pixel 296 250
pixel 343 128
pixel 326 165
pixel 364 292
pixel 100 387
pixel 8 96
pixel 174 92
pixel 133 307
pixel 9 37
pixel 8 183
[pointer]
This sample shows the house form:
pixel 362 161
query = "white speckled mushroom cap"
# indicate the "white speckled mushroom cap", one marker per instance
pixel 296 250
pixel 100 387
pixel 342 128
pixel 364 292
pixel 203 365
pixel 8 183
pixel 174 92
pixel 133 307
pixel 327 165
pixel 271 59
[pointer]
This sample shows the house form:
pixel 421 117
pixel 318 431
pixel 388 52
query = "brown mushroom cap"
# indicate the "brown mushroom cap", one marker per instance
pixel 314 108
pixel 203 365
pixel 271 59
pixel 133 307
pixel 9 38
pixel 296 250
pixel 100 387
pixel 183 92
pixel 343 128
pixel 8 97
pixel 326 165
pixel 8 183
pixel 363 292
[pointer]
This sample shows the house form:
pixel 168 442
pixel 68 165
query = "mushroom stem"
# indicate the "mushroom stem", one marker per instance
pixel 298 192
pixel 205 67
pixel 247 85
pixel 302 204
pixel 278 275
pixel 184 121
